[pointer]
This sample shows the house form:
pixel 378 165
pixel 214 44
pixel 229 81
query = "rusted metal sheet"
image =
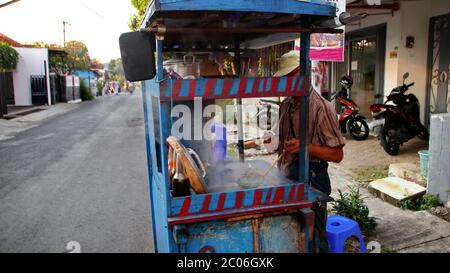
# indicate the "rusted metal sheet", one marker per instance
pixel 278 234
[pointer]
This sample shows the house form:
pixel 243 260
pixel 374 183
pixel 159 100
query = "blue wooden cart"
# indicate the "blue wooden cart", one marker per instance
pixel 267 219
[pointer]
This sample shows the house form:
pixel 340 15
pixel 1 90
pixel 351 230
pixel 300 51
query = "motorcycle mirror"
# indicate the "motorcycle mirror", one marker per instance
pixel 406 76
pixel 138 57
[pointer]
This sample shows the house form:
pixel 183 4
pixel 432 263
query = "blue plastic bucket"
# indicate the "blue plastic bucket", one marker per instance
pixel 424 155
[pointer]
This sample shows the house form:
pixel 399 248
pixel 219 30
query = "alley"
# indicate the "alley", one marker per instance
pixel 78 177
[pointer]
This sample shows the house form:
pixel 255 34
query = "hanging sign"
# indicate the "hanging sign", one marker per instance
pixel 327 46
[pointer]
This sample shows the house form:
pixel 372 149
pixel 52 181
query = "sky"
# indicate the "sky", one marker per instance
pixel 98 23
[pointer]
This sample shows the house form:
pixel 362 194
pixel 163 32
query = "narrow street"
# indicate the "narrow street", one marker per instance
pixel 78 177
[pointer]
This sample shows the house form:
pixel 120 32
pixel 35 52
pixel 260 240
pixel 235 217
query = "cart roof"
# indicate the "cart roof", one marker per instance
pixel 198 15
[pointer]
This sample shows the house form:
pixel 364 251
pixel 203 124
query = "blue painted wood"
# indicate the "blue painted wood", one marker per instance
pixel 197 201
pixel 313 7
pixel 161 196
pixel 278 234
pixel 149 160
pixel 220 237
pixel 305 69
pixel 165 125
pixel 158 199
pixel 180 90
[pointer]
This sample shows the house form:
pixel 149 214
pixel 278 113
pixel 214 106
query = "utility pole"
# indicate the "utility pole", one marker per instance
pixel 64 31
pixel 8 3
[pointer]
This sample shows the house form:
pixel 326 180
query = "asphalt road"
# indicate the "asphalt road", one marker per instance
pixel 78 177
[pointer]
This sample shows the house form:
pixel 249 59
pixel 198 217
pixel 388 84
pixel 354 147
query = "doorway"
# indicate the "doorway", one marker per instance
pixel 364 61
pixel 438 99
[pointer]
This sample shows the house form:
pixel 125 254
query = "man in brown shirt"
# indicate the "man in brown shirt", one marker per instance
pixel 325 143
pixel 325 140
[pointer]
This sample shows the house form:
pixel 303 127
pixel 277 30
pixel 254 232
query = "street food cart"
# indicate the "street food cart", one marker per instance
pixel 269 218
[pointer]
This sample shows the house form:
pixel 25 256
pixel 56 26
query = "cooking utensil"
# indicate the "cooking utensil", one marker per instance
pixel 272 167
pixel 186 66
pixel 194 168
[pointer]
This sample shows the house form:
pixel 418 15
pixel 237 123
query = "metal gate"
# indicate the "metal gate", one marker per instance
pixel 39 90
pixel 439 66
pixel 6 92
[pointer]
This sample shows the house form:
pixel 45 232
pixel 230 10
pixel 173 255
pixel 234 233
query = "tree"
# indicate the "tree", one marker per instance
pixel 96 64
pixel 78 57
pixel 8 58
pixel 116 70
pixel 59 63
pixel 136 19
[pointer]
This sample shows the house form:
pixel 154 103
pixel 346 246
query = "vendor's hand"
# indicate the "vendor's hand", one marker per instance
pixel 292 146
pixel 271 142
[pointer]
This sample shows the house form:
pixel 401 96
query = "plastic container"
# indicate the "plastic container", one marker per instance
pixel 424 155
pixel 219 147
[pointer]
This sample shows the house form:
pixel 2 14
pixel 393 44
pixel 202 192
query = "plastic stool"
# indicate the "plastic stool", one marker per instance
pixel 339 230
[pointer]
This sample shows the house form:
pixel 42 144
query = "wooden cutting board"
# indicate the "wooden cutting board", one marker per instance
pixel 191 170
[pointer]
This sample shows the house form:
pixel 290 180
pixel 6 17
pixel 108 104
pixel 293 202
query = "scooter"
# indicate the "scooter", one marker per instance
pixel 266 111
pixel 351 121
pixel 398 120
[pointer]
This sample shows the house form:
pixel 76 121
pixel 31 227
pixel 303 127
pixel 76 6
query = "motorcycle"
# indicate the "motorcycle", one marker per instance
pixel 351 121
pixel 398 120
pixel 266 111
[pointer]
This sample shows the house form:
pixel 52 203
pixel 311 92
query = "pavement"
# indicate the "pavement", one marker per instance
pixel 78 176
pixel 369 153
pixel 10 128
pixel 399 230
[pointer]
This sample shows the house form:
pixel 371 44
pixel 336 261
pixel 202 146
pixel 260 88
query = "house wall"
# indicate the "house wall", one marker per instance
pixel 413 19
pixel 439 176
pixel 32 61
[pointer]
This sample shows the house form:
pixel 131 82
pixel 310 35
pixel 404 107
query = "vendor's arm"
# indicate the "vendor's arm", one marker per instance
pixel 326 153
pixel 323 153
pixel 328 134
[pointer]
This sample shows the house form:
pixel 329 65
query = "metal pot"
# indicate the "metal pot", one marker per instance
pixel 186 66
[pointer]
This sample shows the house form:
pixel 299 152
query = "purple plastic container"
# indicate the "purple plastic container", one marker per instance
pixel 219 148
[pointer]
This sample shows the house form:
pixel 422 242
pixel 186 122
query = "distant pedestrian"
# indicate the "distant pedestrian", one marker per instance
pixel 116 88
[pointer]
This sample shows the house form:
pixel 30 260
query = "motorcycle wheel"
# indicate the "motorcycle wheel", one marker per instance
pixel 264 122
pixel 390 147
pixel 358 129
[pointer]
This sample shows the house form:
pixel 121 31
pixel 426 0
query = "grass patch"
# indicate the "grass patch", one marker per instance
pixel 426 202
pixel 370 174
pixel 386 250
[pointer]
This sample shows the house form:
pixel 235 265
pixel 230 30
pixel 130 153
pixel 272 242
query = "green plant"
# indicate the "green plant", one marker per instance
pixel 386 250
pixel 353 206
pixel 8 58
pixel 426 202
pixel 100 85
pixel 136 19
pixel 84 91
